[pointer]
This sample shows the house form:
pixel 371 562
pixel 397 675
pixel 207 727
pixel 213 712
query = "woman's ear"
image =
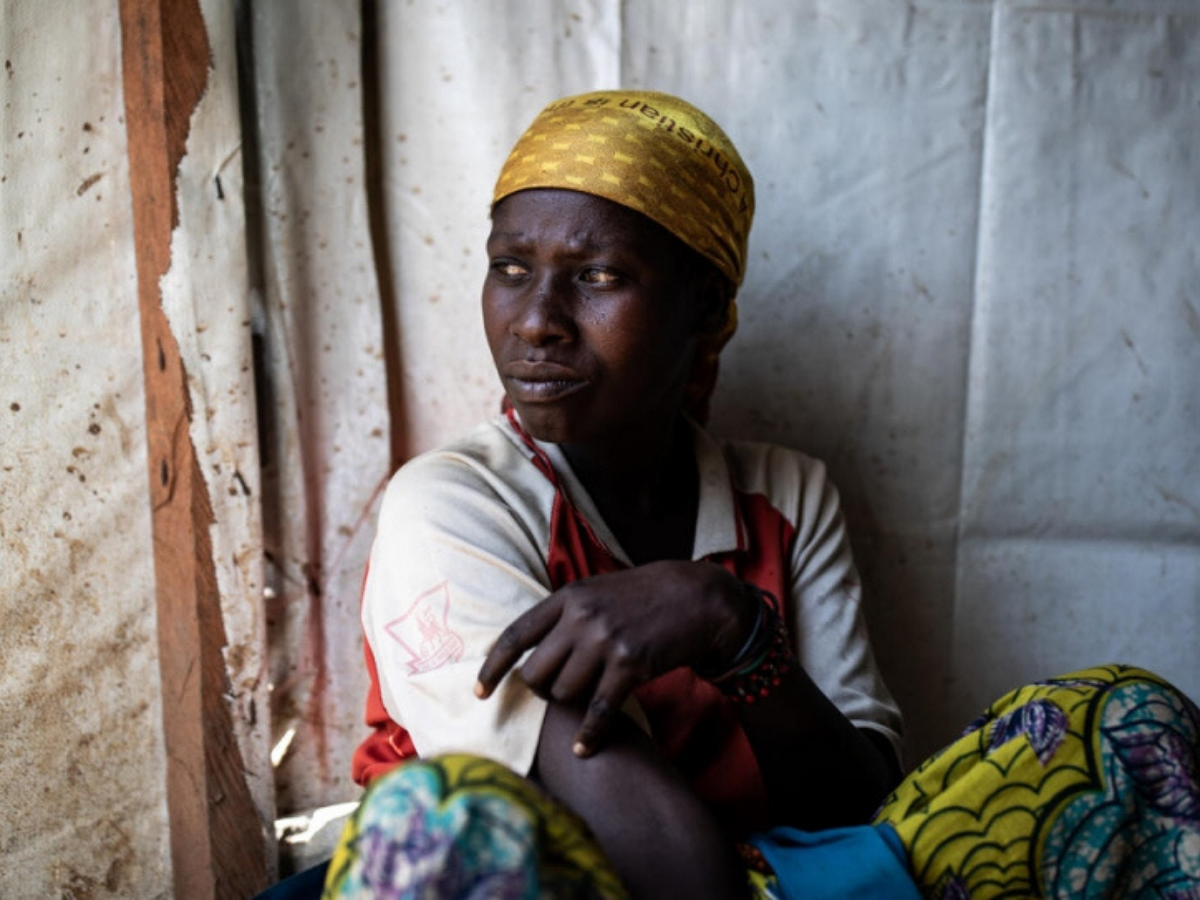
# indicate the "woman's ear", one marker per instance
pixel 714 294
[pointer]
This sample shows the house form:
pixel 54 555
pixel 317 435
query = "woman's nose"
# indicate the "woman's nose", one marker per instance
pixel 545 316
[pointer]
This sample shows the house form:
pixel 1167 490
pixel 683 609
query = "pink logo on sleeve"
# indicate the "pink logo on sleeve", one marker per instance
pixel 423 633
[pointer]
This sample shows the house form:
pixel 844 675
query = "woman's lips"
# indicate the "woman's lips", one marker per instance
pixel 541 382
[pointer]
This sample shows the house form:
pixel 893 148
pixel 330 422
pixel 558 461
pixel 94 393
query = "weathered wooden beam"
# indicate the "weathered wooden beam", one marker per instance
pixel 217 841
pixel 377 222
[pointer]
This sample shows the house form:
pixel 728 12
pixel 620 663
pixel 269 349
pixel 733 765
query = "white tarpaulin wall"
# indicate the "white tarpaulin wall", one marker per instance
pixel 974 291
pixel 81 755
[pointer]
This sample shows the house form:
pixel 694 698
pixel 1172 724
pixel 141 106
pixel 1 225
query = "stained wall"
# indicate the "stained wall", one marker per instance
pixel 81 751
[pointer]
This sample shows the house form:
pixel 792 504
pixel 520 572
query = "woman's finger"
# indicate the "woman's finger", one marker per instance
pixel 575 679
pixel 614 688
pixel 524 632
pixel 541 670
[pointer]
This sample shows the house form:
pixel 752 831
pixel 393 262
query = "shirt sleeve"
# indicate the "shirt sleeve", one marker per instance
pixel 829 627
pixel 457 556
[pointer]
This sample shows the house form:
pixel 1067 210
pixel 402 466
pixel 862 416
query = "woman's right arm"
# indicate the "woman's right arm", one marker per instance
pixel 452 566
pixel 660 838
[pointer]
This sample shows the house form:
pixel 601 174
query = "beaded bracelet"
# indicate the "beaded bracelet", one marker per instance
pixel 764 659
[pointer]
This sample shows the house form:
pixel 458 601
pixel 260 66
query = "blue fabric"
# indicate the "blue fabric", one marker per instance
pixel 861 863
pixel 306 885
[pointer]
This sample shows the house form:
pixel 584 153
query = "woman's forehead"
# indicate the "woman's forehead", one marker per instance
pixel 577 219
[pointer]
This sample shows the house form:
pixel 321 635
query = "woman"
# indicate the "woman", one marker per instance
pixel 652 631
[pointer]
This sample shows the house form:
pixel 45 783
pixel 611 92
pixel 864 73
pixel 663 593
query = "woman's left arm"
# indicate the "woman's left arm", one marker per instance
pixel 825 736
pixel 595 641
pixel 820 770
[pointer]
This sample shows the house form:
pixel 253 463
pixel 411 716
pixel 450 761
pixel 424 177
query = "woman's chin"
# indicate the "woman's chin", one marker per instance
pixel 545 424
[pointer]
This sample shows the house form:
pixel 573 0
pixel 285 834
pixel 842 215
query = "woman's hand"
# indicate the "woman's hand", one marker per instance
pixel 598 639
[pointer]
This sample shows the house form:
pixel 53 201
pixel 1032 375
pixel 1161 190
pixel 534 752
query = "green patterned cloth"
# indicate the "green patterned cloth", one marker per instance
pixel 1084 786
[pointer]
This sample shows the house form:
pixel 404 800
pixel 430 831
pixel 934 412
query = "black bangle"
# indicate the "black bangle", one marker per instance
pixel 748 646
pixel 758 597
pixel 762 663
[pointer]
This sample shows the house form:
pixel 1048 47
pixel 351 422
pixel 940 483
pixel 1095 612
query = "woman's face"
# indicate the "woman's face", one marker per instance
pixel 590 315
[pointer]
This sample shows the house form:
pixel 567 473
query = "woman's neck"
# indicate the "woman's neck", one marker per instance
pixel 646 491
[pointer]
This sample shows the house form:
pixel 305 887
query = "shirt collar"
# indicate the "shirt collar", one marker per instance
pixel 718 521
pixel 719 527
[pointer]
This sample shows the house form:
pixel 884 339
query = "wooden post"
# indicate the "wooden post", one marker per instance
pixel 217 840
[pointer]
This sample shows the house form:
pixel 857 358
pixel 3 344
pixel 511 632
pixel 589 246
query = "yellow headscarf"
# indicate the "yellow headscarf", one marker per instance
pixel 661 157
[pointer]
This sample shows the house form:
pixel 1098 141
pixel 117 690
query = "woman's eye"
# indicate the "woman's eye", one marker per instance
pixel 600 277
pixel 507 268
